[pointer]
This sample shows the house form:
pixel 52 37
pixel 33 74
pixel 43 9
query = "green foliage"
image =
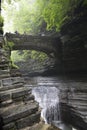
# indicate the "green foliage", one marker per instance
pixel 1 24
pixel 85 2
pixel 56 12
pixel 40 56
pixel 15 56
pixel 10 45
pixel 22 16
pixel 29 15
pixel 26 55
pixel 14 66
pixel 1 21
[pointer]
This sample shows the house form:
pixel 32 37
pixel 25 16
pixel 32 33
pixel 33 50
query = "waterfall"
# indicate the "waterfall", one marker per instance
pixel 47 95
pixel 49 102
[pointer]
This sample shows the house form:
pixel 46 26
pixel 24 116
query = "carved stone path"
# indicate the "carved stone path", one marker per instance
pixel 18 109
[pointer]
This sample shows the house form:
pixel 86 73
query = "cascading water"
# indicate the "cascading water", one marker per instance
pixel 49 102
pixel 47 94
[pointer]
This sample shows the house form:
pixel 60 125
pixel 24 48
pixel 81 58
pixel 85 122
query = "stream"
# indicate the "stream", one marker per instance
pixel 46 92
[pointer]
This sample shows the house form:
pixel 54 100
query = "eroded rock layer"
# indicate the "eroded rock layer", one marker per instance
pixel 73 104
pixel 74 44
pixel 18 108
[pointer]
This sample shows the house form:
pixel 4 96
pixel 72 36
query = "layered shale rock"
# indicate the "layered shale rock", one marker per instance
pixel 18 108
pixel 73 95
pixel 73 104
pixel 74 44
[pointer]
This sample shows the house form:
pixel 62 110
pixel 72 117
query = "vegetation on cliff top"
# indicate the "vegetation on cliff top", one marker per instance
pixel 37 16
pixel 31 15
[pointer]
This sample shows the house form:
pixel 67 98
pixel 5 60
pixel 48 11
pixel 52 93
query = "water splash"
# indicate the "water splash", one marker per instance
pixel 47 94
pixel 49 102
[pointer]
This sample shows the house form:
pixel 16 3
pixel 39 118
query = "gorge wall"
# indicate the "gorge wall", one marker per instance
pixel 73 102
pixel 18 109
pixel 73 95
pixel 74 44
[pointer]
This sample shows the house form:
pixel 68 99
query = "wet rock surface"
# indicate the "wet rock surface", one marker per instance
pixel 42 126
pixel 18 109
pixel 17 106
pixel 73 104
pixel 72 92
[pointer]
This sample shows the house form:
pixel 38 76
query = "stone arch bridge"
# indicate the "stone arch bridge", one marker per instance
pixel 46 44
pixel 18 109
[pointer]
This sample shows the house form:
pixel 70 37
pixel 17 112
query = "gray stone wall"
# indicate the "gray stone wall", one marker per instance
pixel 35 67
pixel 73 103
pixel 74 45
pixel 18 109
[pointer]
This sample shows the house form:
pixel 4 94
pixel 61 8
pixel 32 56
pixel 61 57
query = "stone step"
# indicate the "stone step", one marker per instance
pixel 27 98
pixel 14 94
pixel 17 112
pixel 4 66
pixel 29 120
pixel 4 61
pixel 15 72
pixel 24 123
pixel 4 88
pixel 10 126
pixel 4 76
pixel 4 73
pixel 11 81
pixel 6 103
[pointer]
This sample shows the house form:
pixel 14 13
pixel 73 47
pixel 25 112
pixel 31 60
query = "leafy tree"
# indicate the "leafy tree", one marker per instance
pixel 28 16
pixel 56 12
pixel 24 17
pixel 34 16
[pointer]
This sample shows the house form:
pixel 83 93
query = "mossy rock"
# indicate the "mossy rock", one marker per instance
pixel 1 21
pixel 1 30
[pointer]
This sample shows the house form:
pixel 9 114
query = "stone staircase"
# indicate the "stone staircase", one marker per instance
pixel 18 109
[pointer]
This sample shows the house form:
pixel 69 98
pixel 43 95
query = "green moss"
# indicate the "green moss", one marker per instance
pixel 1 30
pixel 1 21
pixel 85 2
pixel 13 66
pixel 10 45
